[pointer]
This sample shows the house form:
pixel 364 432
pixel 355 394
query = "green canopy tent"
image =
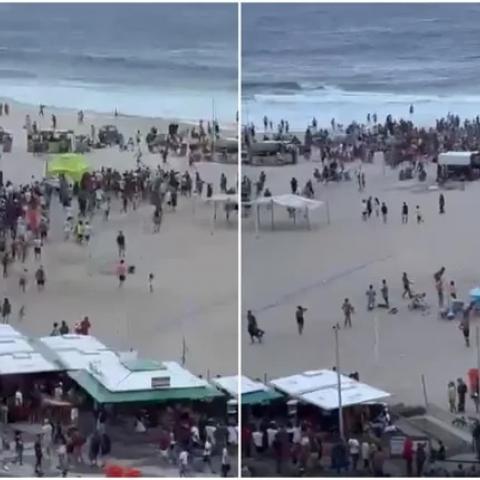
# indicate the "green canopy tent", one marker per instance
pixel 72 165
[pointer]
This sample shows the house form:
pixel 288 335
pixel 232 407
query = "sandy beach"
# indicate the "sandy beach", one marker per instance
pixel 318 268
pixel 195 271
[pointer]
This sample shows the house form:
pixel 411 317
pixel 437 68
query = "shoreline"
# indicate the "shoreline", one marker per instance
pixel 227 126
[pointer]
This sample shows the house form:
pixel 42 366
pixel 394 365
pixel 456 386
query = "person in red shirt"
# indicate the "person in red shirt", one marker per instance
pixel 408 456
pixel 85 326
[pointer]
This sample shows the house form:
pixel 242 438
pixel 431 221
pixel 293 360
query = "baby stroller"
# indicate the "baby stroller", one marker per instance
pixel 418 302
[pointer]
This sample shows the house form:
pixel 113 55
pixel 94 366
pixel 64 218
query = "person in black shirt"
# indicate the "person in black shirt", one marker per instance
pixel 121 244
pixel 300 319
pixel 37 447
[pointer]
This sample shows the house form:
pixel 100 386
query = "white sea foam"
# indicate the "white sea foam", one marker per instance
pixel 346 106
pixel 179 103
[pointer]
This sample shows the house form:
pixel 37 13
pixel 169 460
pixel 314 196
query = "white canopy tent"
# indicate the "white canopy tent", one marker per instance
pixel 288 201
pixel 320 388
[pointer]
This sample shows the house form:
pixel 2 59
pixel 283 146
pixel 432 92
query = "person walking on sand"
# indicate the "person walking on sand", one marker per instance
pixel 54 122
pixel 461 395
pixel 384 293
pixel 407 286
pixel 371 294
pixel 294 185
pixel 419 215
pixel 6 310
pixel 150 282
pixel 348 310
pixel 452 397
pixel 121 273
pixel 465 324
pixel 121 244
pixel 404 213
pixel 438 277
pixel 452 290
pixel 384 210
pixel 300 318
pixel 5 264
pixel 441 204
pixel 22 281
pixel 40 278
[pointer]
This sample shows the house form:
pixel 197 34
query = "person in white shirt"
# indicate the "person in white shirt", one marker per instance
pixel 207 455
pixel 210 433
pixel 365 449
pixel 183 463
pixel 18 398
pixel 67 228
pixel 271 434
pixel 354 450
pixel 225 462
pixel 47 433
pixel 257 437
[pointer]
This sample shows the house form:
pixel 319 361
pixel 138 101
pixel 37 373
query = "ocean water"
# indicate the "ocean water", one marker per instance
pixel 145 59
pixel 344 61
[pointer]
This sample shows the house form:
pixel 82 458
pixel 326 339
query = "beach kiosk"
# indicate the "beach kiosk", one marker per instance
pixel 319 389
pixel 114 378
pixel 22 364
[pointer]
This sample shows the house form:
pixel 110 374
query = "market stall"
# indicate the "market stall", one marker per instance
pixel 320 388
pixel 115 378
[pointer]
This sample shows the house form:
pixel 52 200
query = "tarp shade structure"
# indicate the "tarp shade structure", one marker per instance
pixel 102 395
pixel 288 200
pixel 222 199
pixel 252 392
pixel 72 165
pixel 320 388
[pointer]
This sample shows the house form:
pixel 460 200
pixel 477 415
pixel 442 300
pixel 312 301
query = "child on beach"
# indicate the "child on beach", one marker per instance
pixel 37 248
pixel 67 228
pixel 121 272
pixel 418 213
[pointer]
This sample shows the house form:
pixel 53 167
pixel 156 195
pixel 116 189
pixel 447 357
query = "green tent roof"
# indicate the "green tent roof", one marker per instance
pixel 102 395
pixel 262 396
